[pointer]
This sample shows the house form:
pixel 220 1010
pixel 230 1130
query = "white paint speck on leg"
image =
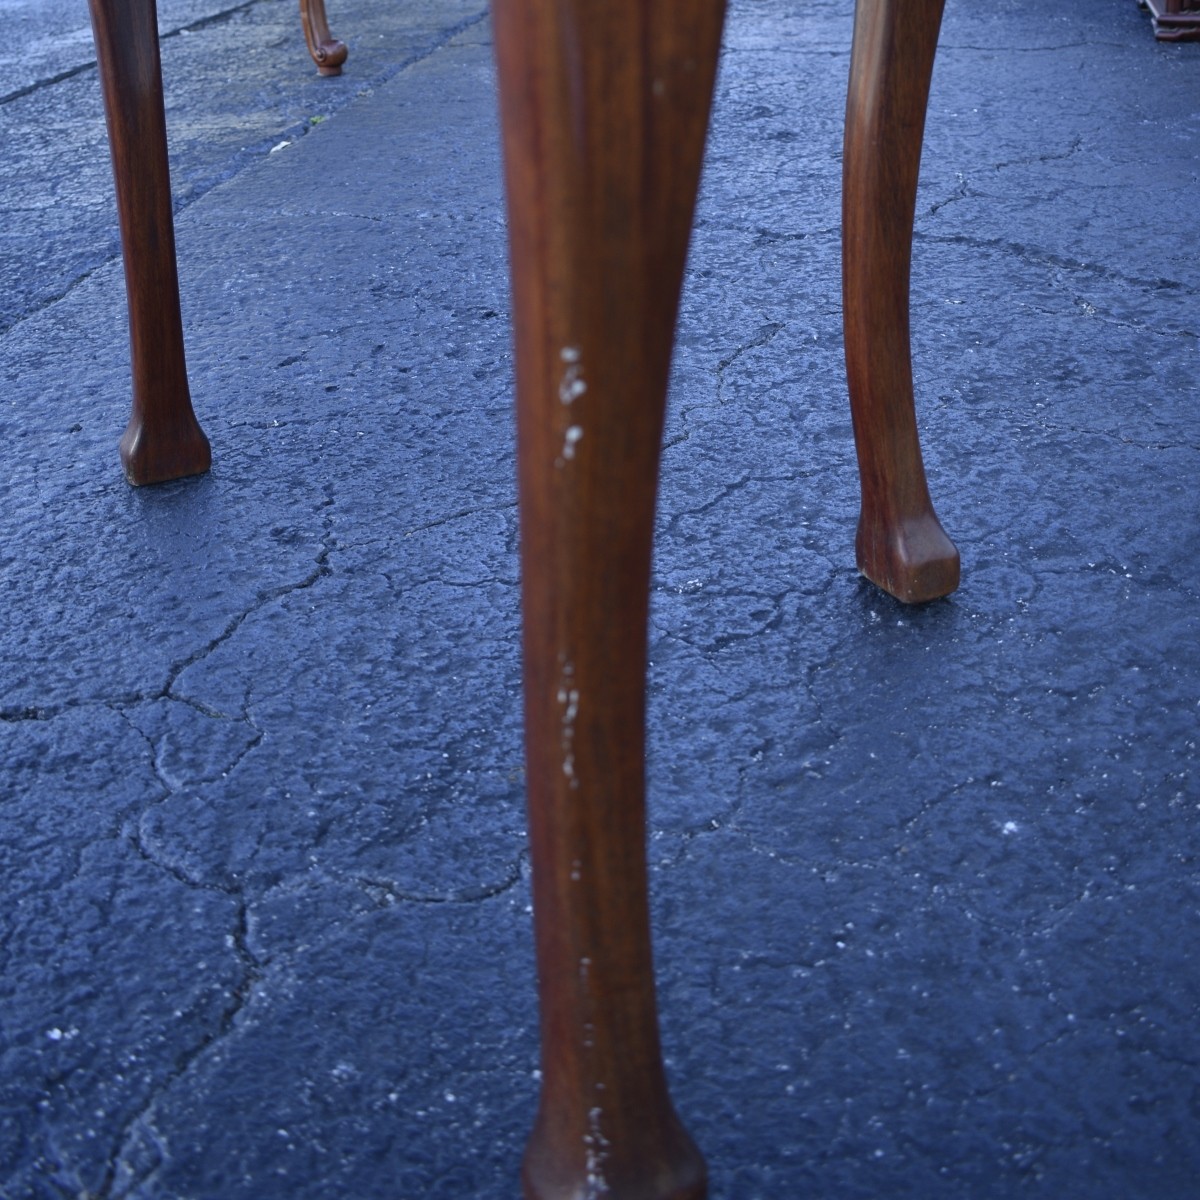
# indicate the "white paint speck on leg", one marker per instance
pixel 596 1145
pixel 568 697
pixel 573 434
pixel 573 384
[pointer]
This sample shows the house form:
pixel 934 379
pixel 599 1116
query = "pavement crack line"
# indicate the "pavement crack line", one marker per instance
pixel 961 192
pixel 321 570
pixel 28 712
pixel 140 1125
pixel 39 84
pixel 458 515
pixel 670 526
pixel 385 892
pixel 812 51
pixel 1060 156
pixel 62 76
pixel 1087 308
pixel 290 134
pixel 1116 436
pixel 139 1152
pixel 48 301
pixel 1036 257
pixel 944 47
pixel 113 1186
pixel 1081 305
pixel 762 236
pixel 764 337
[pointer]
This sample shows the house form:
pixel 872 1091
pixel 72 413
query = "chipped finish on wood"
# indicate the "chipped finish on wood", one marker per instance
pixel 163 439
pixel 901 546
pixel 604 112
pixel 327 51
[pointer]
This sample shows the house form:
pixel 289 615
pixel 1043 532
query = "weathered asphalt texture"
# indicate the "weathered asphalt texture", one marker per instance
pixel 926 880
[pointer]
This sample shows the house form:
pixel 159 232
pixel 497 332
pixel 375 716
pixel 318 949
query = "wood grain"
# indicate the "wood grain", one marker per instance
pixel 163 439
pixel 328 52
pixel 604 112
pixel 900 544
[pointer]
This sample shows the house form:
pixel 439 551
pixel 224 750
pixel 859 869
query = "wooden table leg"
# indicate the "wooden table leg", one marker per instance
pixel 604 112
pixel 327 52
pixel 163 439
pixel 901 545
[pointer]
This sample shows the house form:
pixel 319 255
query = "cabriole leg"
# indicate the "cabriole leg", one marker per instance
pixel 163 439
pixel 900 545
pixel 604 112
pixel 327 52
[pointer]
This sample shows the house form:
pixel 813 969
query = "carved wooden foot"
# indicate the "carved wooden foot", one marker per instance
pixel 327 52
pixel 1175 20
pixel 901 546
pixel 604 111
pixel 163 440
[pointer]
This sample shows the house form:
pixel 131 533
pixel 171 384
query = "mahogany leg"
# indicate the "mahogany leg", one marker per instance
pixel 900 545
pixel 604 110
pixel 163 439
pixel 327 52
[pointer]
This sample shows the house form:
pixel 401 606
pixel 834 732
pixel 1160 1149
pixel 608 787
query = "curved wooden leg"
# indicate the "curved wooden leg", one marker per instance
pixel 163 439
pixel 901 545
pixel 604 111
pixel 327 52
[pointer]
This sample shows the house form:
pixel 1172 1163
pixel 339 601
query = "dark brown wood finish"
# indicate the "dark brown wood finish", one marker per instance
pixel 163 439
pixel 604 113
pixel 327 52
pixel 1174 20
pixel 901 546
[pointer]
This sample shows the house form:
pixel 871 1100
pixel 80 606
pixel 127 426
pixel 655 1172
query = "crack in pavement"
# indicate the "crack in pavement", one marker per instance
pixel 945 46
pixel 119 1178
pixel 201 23
pixel 385 892
pixel 113 1186
pixel 218 173
pixel 1037 257
pixel 1073 149
pixel 669 527
pixel 1118 437
pixel 458 515
pixel 138 1151
pixel 1081 305
pixel 321 570
pixel 765 336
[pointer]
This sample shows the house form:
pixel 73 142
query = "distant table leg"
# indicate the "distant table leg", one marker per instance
pixel 901 545
pixel 604 111
pixel 163 439
pixel 327 52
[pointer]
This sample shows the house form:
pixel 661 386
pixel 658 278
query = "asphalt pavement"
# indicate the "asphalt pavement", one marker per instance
pixel 926 882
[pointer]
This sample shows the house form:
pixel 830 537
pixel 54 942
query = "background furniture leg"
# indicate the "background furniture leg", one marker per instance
pixel 901 546
pixel 604 110
pixel 327 52
pixel 163 439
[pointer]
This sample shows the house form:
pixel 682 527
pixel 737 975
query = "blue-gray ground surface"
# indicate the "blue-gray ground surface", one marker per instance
pixel 926 884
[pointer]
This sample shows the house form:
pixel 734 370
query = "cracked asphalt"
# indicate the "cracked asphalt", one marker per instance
pixel 926 882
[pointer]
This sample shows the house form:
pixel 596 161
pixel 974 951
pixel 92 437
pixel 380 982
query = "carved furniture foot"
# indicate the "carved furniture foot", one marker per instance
pixel 604 110
pixel 1174 20
pixel 327 52
pixel 901 546
pixel 163 439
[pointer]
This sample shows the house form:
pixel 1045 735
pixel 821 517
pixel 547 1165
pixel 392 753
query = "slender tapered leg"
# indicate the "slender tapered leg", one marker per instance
pixel 604 112
pixel 163 439
pixel 327 52
pixel 901 545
